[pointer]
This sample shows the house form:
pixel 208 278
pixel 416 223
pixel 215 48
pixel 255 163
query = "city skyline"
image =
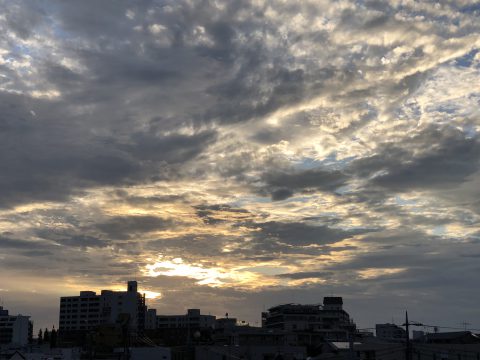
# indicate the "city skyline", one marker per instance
pixel 232 156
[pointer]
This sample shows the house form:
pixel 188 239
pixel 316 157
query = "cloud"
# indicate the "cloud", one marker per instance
pixel 306 180
pixel 416 164
pixel 125 227
pixel 306 275
pixel 314 147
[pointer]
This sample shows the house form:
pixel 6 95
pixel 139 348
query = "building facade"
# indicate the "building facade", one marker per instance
pixel 15 330
pixel 390 332
pixel 193 319
pixel 87 311
pixel 329 319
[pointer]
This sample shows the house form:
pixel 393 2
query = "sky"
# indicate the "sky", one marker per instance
pixel 236 155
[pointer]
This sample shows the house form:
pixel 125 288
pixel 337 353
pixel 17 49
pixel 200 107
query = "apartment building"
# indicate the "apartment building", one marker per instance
pixel 15 330
pixel 193 319
pixel 330 319
pixel 89 310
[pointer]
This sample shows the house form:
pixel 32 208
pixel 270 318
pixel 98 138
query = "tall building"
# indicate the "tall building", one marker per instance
pixel 329 319
pixel 15 330
pixel 80 314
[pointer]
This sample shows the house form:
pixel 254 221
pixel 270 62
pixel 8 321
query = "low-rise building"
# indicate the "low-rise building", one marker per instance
pixel 330 319
pixel 455 337
pixel 193 319
pixel 15 330
pixel 178 330
pixel 256 352
pixel 390 332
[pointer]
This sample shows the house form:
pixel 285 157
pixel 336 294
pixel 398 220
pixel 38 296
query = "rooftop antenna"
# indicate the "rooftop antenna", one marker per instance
pixel 465 324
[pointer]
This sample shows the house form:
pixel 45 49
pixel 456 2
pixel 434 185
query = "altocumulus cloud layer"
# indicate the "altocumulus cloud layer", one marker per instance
pixel 236 154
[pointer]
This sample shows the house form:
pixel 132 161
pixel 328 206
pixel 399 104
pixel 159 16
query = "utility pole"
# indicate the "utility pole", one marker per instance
pixel 351 340
pixel 407 339
pixel 408 345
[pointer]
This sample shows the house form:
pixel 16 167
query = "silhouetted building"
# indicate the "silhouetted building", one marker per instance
pixel 151 319
pixel 456 337
pixel 15 330
pixel 258 352
pixel 179 330
pixel 390 332
pixel 228 332
pixel 192 319
pixel 329 319
pixel 82 314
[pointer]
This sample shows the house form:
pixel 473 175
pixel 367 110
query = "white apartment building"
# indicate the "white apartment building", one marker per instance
pixel 15 330
pixel 89 310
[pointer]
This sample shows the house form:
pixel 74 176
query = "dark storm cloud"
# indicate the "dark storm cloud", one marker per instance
pixel 239 97
pixel 23 19
pixel 414 251
pixel 125 227
pixel 46 157
pixel 118 74
pixel 281 194
pixel 417 164
pixel 172 149
pixel 299 233
pixel 161 199
pixel 66 238
pixel 306 275
pixel 284 184
pixel 43 158
pixel 13 243
pixel 191 246
pixel 83 241
pixel 218 213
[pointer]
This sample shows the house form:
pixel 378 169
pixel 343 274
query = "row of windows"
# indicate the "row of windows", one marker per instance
pixel 76 305
pixel 75 299
pixel 10 318
pixel 76 327
pixel 74 322
pixel 76 311
pixel 62 317
pixel 93 316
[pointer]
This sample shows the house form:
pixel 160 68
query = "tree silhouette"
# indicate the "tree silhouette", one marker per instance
pixel 53 338
pixel 46 335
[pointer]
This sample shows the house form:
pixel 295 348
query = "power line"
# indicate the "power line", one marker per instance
pixel 426 347
pixel 417 323
pixel 450 327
